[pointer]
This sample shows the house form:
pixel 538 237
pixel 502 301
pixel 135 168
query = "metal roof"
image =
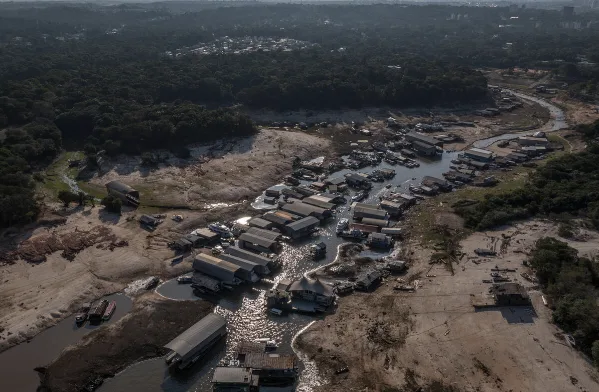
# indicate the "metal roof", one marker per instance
pixel 482 151
pixel 313 285
pixel 303 209
pixel 375 222
pixel 119 186
pixel 371 212
pixel 422 138
pixel 259 222
pixel 268 234
pixel 270 361
pixel 303 223
pixel 197 334
pixel 232 375
pixel 335 180
pixel 420 144
pixel 206 233
pixel 223 264
pixel 247 255
pixel 254 239
pixel 241 263
pixel 318 202
pixel 276 218
pixel 479 154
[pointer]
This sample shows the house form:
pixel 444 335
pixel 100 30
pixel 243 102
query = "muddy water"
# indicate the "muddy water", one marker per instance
pixel 17 363
pixel 556 122
pixel 245 311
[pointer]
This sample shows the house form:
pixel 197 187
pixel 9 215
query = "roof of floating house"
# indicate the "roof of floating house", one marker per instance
pixel 303 223
pixel 268 234
pixel 202 330
pixel 254 239
pixel 313 285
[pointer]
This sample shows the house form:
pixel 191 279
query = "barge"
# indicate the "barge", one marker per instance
pixel 109 311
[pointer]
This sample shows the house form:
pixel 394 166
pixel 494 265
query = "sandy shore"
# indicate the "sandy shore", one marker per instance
pixel 391 339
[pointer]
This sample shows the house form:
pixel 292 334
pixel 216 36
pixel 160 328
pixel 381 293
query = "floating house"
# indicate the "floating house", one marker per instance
pixel 258 244
pixel 312 290
pixel 302 227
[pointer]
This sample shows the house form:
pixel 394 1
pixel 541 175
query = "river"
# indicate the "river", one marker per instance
pixel 17 363
pixel 244 310
pixel 557 121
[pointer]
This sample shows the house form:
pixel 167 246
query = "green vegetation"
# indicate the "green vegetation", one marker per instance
pixel 112 204
pixel 124 79
pixel 566 184
pixel 572 284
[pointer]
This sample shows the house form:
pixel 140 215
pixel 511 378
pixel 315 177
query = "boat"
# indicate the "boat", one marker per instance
pixel 184 279
pixel 275 311
pixel 342 224
pixel 97 312
pixel 220 229
pixel 270 344
pixel 388 186
pixel 81 316
pixel 359 196
pixel 109 311
pixel 570 340
pixel 414 189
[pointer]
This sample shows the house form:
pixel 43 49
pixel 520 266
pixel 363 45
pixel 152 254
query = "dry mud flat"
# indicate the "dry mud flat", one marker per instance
pixel 433 338
pixel 228 171
pixel 140 335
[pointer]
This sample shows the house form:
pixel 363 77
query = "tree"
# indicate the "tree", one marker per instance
pixel 67 197
pixel 112 204
pixel 595 351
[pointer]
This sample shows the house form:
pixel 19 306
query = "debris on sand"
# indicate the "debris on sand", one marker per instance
pixel 36 249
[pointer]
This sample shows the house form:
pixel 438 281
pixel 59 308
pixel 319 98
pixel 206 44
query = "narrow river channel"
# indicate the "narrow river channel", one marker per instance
pixel 17 363
pixel 244 310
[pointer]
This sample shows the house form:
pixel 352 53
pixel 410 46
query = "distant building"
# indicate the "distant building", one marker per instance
pixel 149 220
pixel 124 192
pixel 358 181
pixel 424 148
pixel 260 223
pixel 222 270
pixel 442 184
pixel 369 212
pixel 258 244
pixel 479 154
pixel 318 201
pixel 533 141
pixel 368 280
pixel 304 210
pixel 302 227
pixel 234 379
pixel 419 137
pixel 510 294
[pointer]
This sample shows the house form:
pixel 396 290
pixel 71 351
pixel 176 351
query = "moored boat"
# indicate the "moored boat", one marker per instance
pixel 109 311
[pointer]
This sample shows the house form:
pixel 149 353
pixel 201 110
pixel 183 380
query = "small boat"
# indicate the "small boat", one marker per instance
pixel 342 224
pixel 359 196
pixel 81 316
pixel 570 340
pixel 109 311
pixel 220 229
pixel 184 279
pixel 388 186
pixel 276 312
pixel 270 344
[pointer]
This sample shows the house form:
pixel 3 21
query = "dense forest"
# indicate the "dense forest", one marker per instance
pixel 566 185
pixel 572 284
pixel 130 78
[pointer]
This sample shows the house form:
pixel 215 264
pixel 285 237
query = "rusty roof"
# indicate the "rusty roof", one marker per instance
pixel 270 361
